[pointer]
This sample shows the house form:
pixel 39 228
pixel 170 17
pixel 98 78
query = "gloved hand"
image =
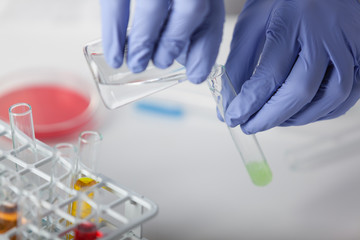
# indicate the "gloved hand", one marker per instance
pixel 164 30
pixel 293 62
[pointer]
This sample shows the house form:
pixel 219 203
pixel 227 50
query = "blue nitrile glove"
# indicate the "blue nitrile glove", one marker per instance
pixel 164 30
pixel 309 53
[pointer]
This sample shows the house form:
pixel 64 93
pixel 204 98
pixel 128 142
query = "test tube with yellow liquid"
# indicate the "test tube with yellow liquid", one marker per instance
pixel 247 145
pixel 88 150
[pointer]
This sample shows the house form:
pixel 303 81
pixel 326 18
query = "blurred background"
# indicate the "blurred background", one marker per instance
pixel 185 162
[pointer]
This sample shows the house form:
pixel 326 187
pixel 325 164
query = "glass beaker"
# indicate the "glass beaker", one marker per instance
pixel 247 145
pixel 120 86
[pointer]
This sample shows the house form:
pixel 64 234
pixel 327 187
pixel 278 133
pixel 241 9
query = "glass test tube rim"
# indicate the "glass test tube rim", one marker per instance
pixel 69 145
pixel 217 71
pixel 90 132
pixel 19 114
pixel 58 149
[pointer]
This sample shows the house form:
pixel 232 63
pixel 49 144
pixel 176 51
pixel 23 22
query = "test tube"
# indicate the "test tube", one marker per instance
pixel 89 143
pixel 8 204
pixel 30 215
pixel 88 150
pixel 66 152
pixel 22 131
pixel 247 145
pixel 64 158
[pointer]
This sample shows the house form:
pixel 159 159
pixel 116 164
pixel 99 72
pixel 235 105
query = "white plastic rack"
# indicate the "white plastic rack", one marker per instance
pixel 122 211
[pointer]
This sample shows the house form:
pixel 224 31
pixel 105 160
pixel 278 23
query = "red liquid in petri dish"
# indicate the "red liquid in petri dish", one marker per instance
pixel 56 110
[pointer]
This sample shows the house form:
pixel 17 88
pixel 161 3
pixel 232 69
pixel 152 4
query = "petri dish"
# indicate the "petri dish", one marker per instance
pixel 62 102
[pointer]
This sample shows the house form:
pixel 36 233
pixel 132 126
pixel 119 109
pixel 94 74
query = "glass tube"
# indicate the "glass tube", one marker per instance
pixel 30 215
pixel 8 204
pixel 88 150
pixel 247 145
pixel 65 152
pixel 22 131
pixel 89 142
pixel 63 169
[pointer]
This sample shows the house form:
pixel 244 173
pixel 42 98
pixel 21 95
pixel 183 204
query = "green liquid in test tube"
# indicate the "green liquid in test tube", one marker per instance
pixel 259 172
pixel 247 145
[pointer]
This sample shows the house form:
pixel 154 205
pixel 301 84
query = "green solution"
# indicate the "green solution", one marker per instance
pixel 259 172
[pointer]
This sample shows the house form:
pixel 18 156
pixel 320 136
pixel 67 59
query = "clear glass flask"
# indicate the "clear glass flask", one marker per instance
pixel 247 145
pixel 120 86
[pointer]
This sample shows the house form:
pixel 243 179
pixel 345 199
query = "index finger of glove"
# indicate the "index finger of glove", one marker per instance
pixel 247 41
pixel 149 19
pixel 114 19
pixel 205 43
pixel 185 17
pixel 280 51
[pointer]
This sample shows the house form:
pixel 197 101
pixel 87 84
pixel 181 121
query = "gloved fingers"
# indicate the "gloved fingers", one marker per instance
pixel 205 43
pixel 185 17
pixel 334 90
pixel 114 18
pixel 247 41
pixel 182 56
pixel 350 101
pixel 299 89
pixel 149 18
pixel 219 115
pixel 280 51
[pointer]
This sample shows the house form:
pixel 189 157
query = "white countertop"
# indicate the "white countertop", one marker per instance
pixel 189 165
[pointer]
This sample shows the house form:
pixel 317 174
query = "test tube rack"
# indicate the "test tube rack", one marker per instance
pixel 122 211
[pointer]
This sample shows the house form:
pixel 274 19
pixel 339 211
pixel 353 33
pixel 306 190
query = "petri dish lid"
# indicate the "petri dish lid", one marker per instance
pixel 61 102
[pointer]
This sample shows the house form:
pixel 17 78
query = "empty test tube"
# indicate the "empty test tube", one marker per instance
pixel 65 152
pixel 22 131
pixel 62 170
pixel 89 143
pixel 247 145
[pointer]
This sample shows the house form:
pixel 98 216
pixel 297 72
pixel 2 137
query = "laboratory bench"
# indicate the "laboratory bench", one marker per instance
pixel 187 162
